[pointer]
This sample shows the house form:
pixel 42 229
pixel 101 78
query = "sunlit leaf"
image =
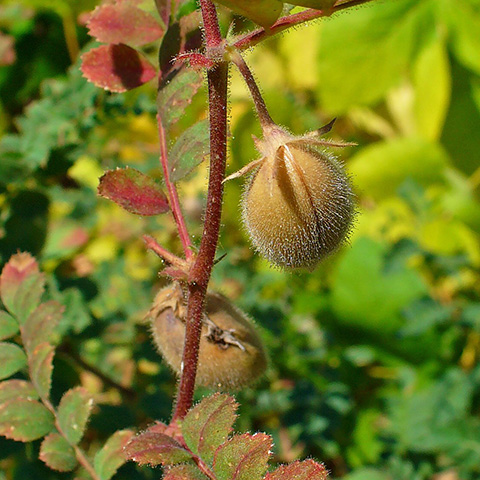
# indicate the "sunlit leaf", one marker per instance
pixel 57 453
pixel 117 68
pixel 125 23
pixel 134 191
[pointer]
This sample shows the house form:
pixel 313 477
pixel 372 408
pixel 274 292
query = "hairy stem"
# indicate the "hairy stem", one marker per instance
pixel 284 23
pixel 172 193
pixel 263 115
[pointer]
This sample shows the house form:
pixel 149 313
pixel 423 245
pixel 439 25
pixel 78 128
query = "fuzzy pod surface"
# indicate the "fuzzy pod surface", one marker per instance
pixel 298 205
pixel 231 351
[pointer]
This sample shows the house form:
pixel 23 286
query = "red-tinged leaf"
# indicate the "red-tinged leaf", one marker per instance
pixel 7 50
pixel 40 325
pixel 208 424
pixel 17 389
pixel 21 285
pixel 150 448
pixel 24 420
pixel 12 359
pixel 8 326
pixel 73 413
pixel 57 453
pixel 164 7
pixel 117 68
pixel 40 363
pixel 75 238
pixel 111 456
pixel 177 94
pixel 123 23
pixel 184 472
pixel 189 150
pixel 243 457
pixel 134 191
pixel 305 470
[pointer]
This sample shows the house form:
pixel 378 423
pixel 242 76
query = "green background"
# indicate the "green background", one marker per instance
pixel 374 355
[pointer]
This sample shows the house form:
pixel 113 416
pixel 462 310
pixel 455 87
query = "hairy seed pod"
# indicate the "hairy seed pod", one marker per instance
pixel 231 351
pixel 298 205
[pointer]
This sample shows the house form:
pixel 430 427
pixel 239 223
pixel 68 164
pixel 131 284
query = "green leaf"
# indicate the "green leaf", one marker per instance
pixel 317 4
pixel 363 55
pixel 263 12
pixel 40 325
pixel 208 424
pixel 464 21
pixel 184 472
pixel 21 285
pixel 243 457
pixel 57 453
pixel 40 363
pixel 12 359
pixel 189 150
pixel 8 326
pixel 24 420
pixel 153 448
pixel 175 95
pixel 73 413
pixel 366 296
pixel 111 456
pixel 432 98
pixel 134 191
pixel 17 389
pixel 379 169
pixel 306 470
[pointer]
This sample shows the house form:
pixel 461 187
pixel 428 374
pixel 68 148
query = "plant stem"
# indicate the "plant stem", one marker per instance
pixel 284 23
pixel 202 268
pixel 172 194
pixel 263 115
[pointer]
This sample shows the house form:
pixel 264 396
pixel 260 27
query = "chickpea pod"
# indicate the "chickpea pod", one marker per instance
pixel 298 204
pixel 231 351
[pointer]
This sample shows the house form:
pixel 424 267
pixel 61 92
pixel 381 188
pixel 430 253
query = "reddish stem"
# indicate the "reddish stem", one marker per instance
pixel 262 111
pixel 283 23
pixel 163 253
pixel 202 268
pixel 172 194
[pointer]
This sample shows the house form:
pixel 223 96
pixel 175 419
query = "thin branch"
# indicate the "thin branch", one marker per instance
pixel 173 195
pixel 262 111
pixel 284 23
pixel 163 253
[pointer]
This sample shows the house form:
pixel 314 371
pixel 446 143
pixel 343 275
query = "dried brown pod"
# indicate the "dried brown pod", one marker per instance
pixel 298 205
pixel 231 351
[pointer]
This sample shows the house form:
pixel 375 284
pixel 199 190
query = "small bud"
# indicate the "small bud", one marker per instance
pixel 231 351
pixel 298 206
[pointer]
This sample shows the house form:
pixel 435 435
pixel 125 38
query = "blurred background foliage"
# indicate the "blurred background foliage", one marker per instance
pixel 374 355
